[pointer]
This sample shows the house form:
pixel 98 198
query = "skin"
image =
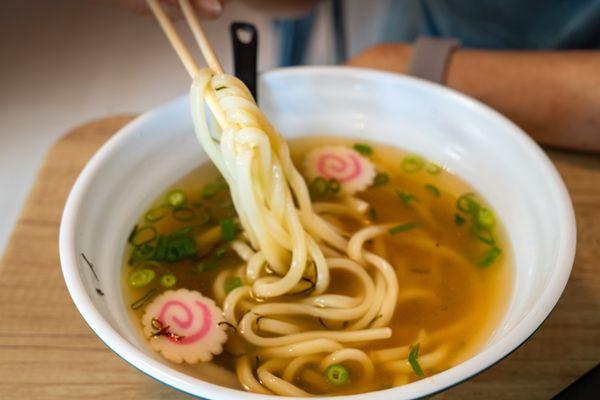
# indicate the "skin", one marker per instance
pixel 211 9
pixel 553 95
pixel 206 9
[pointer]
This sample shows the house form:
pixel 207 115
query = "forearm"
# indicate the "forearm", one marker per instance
pixel 553 96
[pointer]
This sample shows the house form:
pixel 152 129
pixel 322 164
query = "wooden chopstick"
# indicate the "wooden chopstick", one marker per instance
pixel 205 47
pixel 180 48
pixel 186 56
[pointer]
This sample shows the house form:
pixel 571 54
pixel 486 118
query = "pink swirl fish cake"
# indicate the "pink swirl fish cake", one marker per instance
pixel 354 172
pixel 184 326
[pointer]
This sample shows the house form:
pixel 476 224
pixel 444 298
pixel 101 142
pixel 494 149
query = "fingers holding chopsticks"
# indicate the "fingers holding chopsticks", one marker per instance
pixel 205 9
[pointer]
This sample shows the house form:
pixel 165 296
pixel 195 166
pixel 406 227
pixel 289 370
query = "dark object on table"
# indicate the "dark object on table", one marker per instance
pixel 586 387
pixel 244 38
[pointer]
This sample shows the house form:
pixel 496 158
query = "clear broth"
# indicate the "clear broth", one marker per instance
pixel 469 300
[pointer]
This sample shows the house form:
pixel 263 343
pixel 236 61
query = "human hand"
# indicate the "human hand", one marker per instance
pixel 207 9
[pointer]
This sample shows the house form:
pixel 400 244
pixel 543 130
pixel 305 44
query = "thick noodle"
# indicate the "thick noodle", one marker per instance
pixel 290 249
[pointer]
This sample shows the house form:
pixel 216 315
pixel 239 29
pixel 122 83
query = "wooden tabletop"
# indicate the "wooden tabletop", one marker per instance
pixel 48 352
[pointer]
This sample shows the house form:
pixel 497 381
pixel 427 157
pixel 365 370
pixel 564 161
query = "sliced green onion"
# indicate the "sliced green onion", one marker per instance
pixel 144 235
pixel 184 231
pixel 433 189
pixel 363 149
pixel 372 214
pixel 205 266
pixel 405 197
pixel 432 168
pixel 413 356
pixel 220 252
pixel 156 214
pixel 318 187
pixel 168 280
pixel 143 252
pixel 226 204
pixel 337 375
pixel 175 198
pixel 228 229
pixel 139 303
pixel 132 235
pixel 459 219
pixel 381 179
pixel 161 248
pixel 402 228
pixel 183 213
pixel 141 277
pixel 483 234
pixel 204 218
pixel 334 186
pixel 489 257
pixel 467 203
pixel 211 189
pixel 232 282
pixel 412 163
pixel 175 247
pixel 486 218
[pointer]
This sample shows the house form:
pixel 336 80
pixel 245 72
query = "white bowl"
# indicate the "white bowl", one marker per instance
pixel 471 140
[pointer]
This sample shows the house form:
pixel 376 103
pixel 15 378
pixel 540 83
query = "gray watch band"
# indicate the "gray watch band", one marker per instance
pixel 430 56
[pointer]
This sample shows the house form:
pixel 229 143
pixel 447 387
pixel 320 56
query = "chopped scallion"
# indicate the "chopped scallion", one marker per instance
pixel 433 189
pixel 372 213
pixel 220 252
pixel 483 234
pixel 413 360
pixel 132 235
pixel 183 213
pixel 402 228
pixel 139 303
pixel 432 168
pixel 228 203
pixel 318 187
pixel 232 282
pixel 185 230
pixel 175 198
pixel 211 189
pixel 381 179
pixel 144 235
pixel 141 277
pixel 205 266
pixel 143 252
pixel 489 257
pixel 334 186
pixel 412 163
pixel 468 204
pixel 228 229
pixel 363 149
pixel 459 219
pixel 486 218
pixel 405 197
pixel 337 375
pixel 156 214
pixel 175 247
pixel 168 280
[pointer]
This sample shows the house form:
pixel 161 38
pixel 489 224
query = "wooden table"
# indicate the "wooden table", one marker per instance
pixel 48 352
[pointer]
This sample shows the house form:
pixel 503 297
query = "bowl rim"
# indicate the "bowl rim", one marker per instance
pixel 538 312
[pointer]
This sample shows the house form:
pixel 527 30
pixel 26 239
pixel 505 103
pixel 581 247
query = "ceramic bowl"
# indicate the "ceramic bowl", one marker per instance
pixel 468 138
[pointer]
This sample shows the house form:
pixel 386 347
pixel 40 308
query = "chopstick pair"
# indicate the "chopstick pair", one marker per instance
pixel 184 53
pixel 177 42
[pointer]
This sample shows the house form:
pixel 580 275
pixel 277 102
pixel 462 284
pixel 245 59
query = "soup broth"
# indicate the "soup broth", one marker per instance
pixel 451 257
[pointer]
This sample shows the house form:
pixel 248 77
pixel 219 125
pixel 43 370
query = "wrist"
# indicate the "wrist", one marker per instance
pixel 387 57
